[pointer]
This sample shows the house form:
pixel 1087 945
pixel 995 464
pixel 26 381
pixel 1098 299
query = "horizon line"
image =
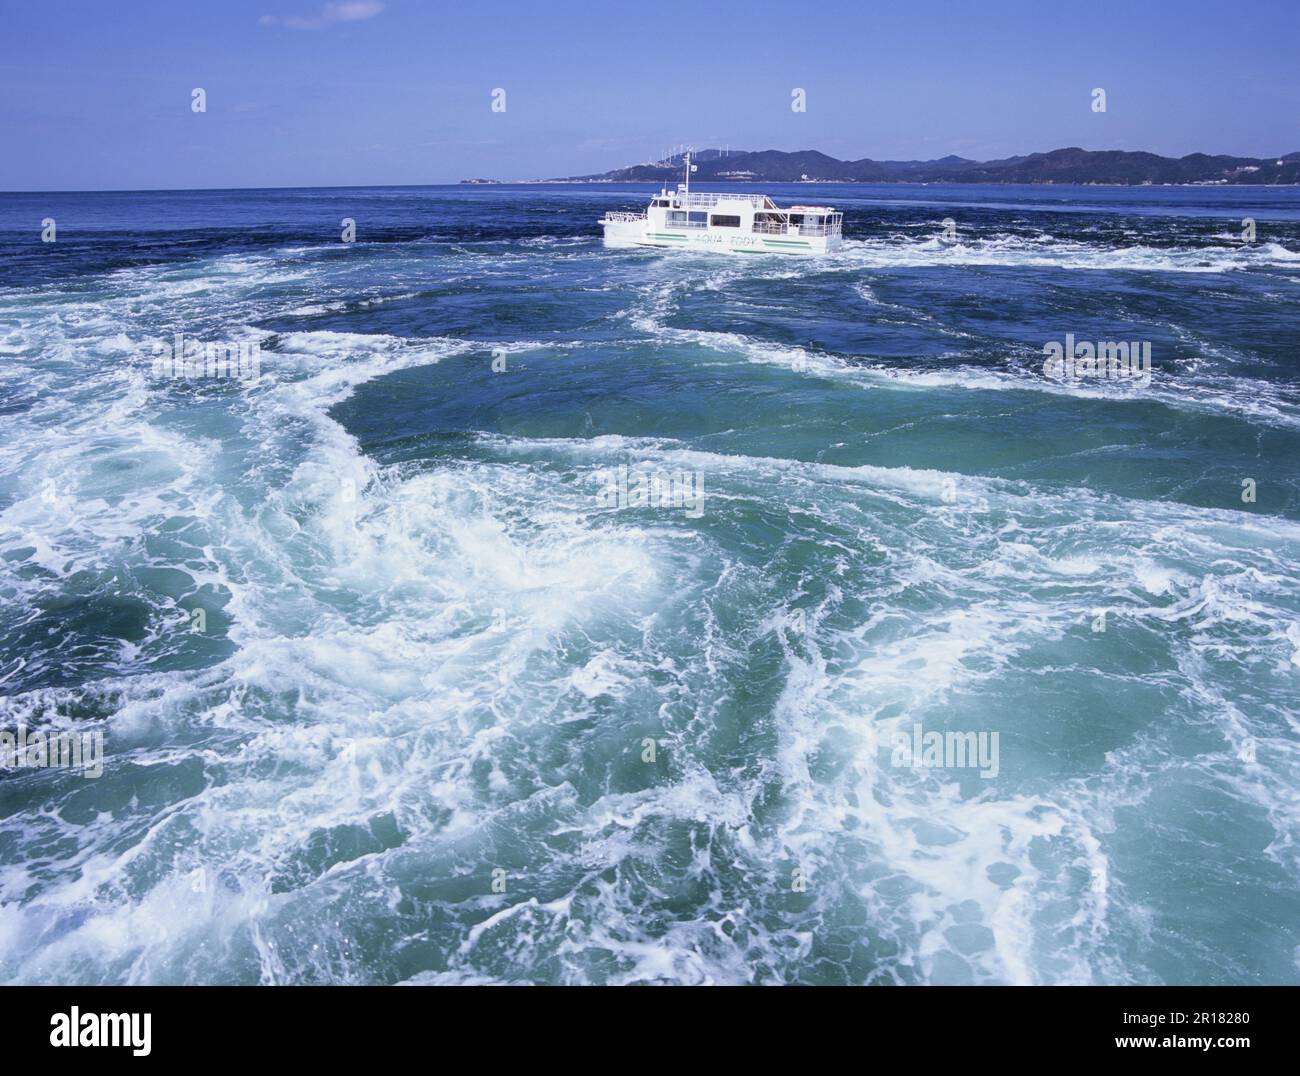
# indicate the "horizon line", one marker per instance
pixel 582 180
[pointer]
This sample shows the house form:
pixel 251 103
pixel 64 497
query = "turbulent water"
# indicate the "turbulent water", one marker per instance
pixel 451 715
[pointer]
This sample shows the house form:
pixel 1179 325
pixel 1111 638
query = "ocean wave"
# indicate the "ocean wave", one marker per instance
pixel 427 667
pixel 1047 253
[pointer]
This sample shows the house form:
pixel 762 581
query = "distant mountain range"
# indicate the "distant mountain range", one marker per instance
pixel 1071 165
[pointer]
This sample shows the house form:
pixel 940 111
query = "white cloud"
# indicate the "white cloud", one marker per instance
pixel 334 12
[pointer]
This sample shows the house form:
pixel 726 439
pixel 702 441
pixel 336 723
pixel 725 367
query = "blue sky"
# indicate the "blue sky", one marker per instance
pixel 97 95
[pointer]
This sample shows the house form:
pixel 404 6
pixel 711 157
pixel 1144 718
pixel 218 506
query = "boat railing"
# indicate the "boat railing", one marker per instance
pixel 765 228
pixel 834 226
pixel 612 215
pixel 711 199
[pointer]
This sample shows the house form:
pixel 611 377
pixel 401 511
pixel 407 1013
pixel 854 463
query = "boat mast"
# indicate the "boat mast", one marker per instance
pixel 687 160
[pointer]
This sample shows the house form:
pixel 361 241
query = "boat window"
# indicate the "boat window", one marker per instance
pixel 675 216
pixel 698 218
pixel 720 221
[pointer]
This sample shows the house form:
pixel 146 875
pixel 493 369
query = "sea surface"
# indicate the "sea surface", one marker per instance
pixel 393 691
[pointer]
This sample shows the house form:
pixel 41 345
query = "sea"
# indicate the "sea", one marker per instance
pixel 459 601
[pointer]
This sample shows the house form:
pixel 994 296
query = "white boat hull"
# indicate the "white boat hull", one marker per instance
pixel 641 234
pixel 730 222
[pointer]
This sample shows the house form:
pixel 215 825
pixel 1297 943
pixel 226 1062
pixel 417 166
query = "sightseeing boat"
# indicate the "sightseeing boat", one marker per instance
pixel 748 223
